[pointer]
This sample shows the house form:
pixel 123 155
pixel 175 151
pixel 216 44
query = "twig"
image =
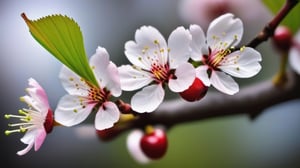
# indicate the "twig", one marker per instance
pixel 269 29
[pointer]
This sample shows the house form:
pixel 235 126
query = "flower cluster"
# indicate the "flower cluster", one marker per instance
pixel 188 63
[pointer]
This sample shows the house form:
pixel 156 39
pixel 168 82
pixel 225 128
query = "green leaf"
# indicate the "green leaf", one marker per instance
pixel 291 20
pixel 61 36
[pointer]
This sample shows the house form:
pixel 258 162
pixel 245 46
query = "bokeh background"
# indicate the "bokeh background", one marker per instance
pixel 272 140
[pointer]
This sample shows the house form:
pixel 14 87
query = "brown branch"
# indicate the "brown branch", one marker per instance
pixel 251 101
pixel 269 29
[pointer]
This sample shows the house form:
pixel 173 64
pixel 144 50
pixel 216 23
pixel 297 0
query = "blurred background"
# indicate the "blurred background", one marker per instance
pixel 272 140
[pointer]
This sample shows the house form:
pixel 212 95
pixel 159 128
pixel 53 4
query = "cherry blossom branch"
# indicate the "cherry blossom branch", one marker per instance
pixel 251 100
pixel 269 29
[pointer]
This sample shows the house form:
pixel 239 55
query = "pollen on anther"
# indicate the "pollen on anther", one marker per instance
pixel 156 42
pixel 242 48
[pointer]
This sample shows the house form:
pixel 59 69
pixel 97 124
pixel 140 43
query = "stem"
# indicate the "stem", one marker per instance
pixel 280 78
pixel 251 101
pixel 269 29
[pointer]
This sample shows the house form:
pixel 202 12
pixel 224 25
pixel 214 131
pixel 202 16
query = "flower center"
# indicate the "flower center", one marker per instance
pixel 218 54
pixel 160 72
pixel 29 119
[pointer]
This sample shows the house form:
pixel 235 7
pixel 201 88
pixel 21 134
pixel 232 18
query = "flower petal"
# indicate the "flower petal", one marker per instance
pixel 242 64
pixel 38 94
pixel 27 149
pixel 223 31
pixel 106 71
pixel 39 139
pixel 72 110
pixel 73 84
pixel 148 46
pixel 201 73
pixel 198 44
pixel 133 78
pixel 99 62
pixel 179 47
pixel 148 99
pixel 224 83
pixel 294 54
pixel 294 59
pixel 133 145
pixel 106 116
pixel 185 75
pixel 115 84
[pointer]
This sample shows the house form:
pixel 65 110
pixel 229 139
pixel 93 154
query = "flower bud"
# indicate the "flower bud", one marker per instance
pixel 282 38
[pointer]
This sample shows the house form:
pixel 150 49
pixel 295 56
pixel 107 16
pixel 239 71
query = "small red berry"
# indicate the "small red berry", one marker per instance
pixel 154 144
pixel 282 38
pixel 195 92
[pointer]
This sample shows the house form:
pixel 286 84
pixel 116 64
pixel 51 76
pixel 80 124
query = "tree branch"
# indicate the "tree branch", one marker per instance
pixel 251 100
pixel 269 29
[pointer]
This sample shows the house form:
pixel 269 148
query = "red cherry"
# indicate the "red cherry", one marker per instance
pixel 282 38
pixel 154 144
pixel 195 92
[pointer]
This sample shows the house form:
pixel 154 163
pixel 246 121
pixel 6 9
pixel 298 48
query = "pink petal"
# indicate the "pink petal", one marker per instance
pixel 39 139
pixel 38 93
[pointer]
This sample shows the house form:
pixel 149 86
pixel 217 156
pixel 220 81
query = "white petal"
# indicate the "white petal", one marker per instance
pixel 133 145
pixel 106 116
pixel 148 46
pixel 133 78
pixel 294 59
pixel 224 29
pixel 242 64
pixel 99 62
pixel 224 83
pixel 179 45
pixel 73 83
pixel 27 149
pixel 198 44
pixel 31 102
pixel 114 84
pixel 72 110
pixel 201 73
pixel 185 75
pixel 148 99
pixel 29 136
